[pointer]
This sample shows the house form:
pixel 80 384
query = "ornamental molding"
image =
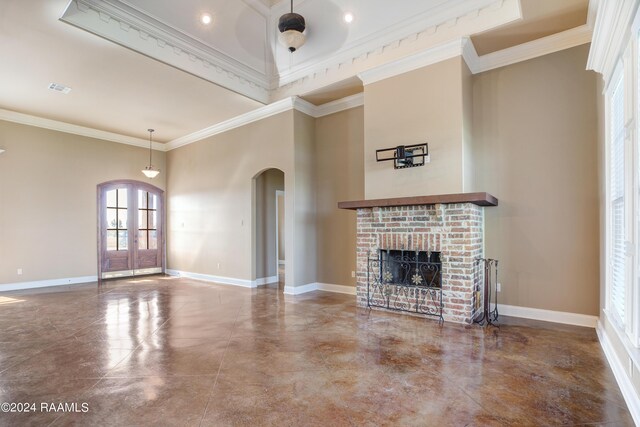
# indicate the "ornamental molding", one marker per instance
pixel 611 33
pixel 125 25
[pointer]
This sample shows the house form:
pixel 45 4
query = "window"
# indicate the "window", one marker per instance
pixel 147 220
pixel 117 228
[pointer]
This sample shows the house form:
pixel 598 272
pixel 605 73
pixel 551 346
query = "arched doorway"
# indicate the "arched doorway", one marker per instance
pixel 130 229
pixel 268 227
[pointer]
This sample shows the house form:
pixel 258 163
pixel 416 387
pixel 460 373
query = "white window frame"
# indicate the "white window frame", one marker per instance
pixel 628 68
pixel 621 323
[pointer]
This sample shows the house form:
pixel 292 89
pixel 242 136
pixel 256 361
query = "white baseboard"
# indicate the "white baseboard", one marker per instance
pixel 548 315
pixel 216 279
pixel 297 290
pixel 47 283
pixel 340 289
pixel 624 382
pixel 266 280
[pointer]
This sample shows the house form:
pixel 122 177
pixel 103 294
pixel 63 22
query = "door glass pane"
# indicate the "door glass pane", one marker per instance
pixel 142 219
pixel 123 240
pixel 153 240
pixel 111 198
pixel 111 240
pixel 111 218
pixel 152 220
pixel 142 199
pixel 153 201
pixel 142 239
pixel 122 198
pixel 122 219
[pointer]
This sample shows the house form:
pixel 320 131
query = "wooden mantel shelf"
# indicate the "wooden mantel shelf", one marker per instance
pixel 480 199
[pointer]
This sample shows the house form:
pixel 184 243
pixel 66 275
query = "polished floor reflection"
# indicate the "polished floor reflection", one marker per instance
pixel 167 351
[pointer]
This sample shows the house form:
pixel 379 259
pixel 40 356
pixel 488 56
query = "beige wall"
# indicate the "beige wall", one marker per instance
pixel 535 132
pixel 281 244
pixel 468 152
pixel 211 188
pixel 267 183
pixel 340 177
pixel 303 263
pixel 424 105
pixel 48 190
pixel 602 182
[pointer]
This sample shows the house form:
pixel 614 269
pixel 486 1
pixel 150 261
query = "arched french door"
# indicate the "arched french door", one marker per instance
pixel 130 229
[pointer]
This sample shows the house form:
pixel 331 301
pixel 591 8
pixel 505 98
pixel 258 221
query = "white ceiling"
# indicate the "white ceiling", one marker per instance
pixel 135 64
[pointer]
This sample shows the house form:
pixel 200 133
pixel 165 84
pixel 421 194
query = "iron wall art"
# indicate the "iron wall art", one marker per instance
pixel 404 156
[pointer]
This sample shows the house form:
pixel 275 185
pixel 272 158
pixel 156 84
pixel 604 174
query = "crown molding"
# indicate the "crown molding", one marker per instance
pixel 525 51
pixel 303 106
pixel 241 120
pixel 428 57
pixel 286 104
pixel 125 25
pixel 26 119
pixel 612 29
pixel 346 103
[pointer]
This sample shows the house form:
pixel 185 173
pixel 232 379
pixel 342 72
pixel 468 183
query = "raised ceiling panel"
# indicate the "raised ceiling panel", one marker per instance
pixel 328 33
pixel 237 31
pixel 379 25
pixel 128 25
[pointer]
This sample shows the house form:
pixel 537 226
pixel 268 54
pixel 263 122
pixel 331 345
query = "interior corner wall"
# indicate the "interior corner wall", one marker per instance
pixel 267 183
pixel 210 190
pixel 468 153
pixel 602 182
pixel 340 177
pixel 48 199
pixel 424 105
pixel 301 264
pixel 535 134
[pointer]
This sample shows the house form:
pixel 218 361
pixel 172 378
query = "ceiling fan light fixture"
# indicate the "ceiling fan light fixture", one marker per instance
pixel 292 26
pixel 292 39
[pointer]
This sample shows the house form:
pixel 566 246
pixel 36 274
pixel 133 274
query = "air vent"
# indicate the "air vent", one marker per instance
pixel 60 88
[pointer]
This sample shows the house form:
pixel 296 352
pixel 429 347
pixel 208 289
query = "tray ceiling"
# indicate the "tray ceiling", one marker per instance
pixel 239 49
pixel 126 90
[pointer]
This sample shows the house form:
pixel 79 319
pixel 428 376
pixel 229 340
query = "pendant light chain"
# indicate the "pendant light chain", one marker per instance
pixel 150 133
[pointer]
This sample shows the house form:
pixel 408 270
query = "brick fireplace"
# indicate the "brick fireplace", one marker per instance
pixel 451 225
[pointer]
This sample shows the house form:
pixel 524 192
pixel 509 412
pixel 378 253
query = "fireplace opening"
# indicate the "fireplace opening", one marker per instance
pixel 411 268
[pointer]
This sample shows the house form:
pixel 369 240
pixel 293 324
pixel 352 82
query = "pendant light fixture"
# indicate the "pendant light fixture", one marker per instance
pixel 292 26
pixel 150 171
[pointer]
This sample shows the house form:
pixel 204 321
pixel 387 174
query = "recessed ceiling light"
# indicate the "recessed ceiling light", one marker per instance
pixel 348 17
pixel 206 18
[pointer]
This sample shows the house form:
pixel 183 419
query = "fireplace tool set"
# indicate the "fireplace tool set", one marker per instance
pixel 486 316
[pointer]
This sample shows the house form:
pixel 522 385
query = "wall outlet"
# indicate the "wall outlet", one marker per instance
pixel 499 287
pixel 19 272
pixel 353 274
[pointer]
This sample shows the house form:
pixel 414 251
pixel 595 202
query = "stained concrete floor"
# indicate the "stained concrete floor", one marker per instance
pixel 166 351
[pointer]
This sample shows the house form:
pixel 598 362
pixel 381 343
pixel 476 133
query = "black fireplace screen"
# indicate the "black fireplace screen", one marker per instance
pixel 406 281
